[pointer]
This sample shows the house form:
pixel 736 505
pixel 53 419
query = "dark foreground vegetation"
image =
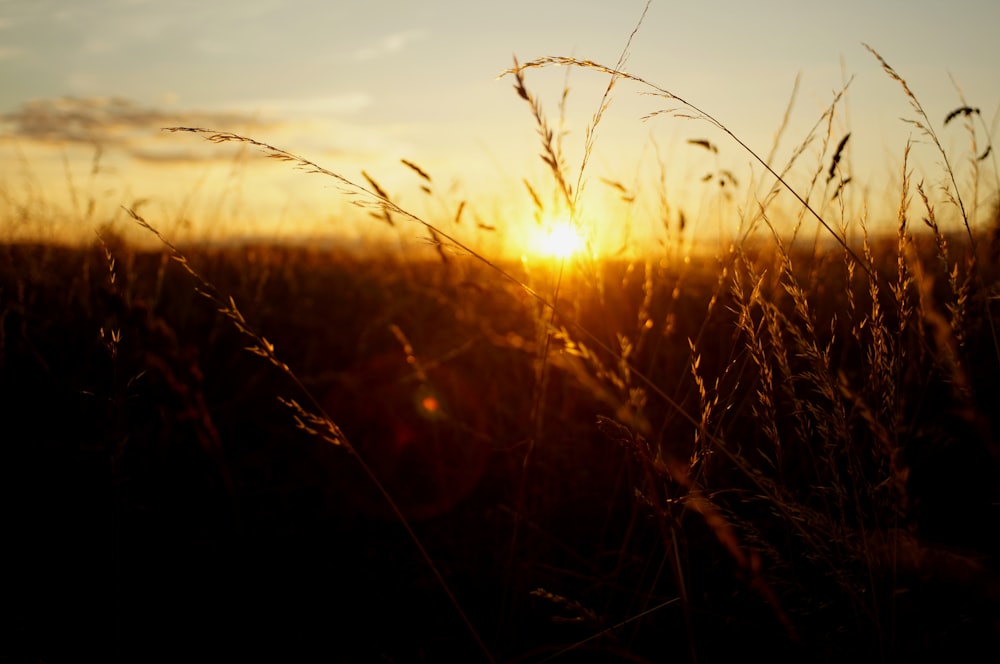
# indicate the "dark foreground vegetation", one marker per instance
pixel 773 456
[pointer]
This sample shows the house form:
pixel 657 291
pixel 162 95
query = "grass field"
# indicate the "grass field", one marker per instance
pixel 277 453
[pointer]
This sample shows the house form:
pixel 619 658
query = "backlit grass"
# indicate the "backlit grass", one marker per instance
pixel 781 447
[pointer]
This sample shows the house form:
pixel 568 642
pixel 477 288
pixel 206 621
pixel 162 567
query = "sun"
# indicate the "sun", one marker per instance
pixel 560 239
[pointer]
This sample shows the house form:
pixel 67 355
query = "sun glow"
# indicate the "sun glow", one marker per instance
pixel 559 239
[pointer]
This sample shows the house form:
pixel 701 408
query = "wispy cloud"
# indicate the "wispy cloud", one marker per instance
pixel 11 53
pixel 389 44
pixel 120 124
pixel 104 121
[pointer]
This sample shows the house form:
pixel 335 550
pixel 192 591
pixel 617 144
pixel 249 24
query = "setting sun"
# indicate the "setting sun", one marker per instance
pixel 325 319
pixel 560 239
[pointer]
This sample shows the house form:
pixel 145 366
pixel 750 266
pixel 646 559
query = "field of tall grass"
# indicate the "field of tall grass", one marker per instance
pixel 785 448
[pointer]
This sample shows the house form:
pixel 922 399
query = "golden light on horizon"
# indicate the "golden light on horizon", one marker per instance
pixel 560 239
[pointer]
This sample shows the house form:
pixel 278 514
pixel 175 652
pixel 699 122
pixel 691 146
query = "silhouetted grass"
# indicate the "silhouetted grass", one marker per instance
pixel 275 452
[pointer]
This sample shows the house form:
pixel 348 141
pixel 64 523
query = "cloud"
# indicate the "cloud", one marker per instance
pixel 115 123
pixel 389 44
pixel 11 53
pixel 107 122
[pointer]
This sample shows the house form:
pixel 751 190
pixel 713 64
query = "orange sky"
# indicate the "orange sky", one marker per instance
pixel 356 86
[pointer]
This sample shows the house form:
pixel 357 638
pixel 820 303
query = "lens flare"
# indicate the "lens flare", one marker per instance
pixel 430 404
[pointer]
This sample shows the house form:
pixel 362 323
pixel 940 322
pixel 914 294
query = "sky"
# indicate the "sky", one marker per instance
pixel 356 86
